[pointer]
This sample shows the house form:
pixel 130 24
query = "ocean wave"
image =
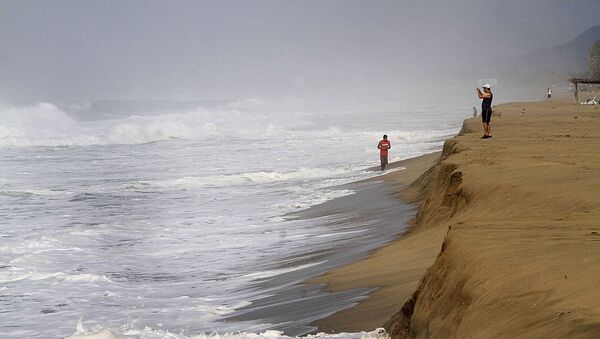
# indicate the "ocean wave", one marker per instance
pixel 151 131
pixel 276 272
pixel 18 275
pixel 35 246
pixel 130 331
pixel 220 310
pixel 313 198
pixel 28 193
pixel 249 178
pixel 45 124
pixel 30 246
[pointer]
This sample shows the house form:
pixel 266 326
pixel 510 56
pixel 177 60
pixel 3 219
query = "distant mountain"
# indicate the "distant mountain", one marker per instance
pixel 565 58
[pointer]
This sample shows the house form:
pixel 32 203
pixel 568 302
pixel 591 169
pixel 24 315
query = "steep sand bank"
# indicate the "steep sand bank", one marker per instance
pixel 396 271
pixel 509 228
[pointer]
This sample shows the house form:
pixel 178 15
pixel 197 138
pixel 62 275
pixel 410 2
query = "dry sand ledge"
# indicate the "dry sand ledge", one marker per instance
pixel 506 242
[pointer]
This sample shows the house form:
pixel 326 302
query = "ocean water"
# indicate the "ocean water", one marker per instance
pixel 183 221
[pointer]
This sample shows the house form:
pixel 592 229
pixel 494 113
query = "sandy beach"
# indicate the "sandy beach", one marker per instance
pixel 506 239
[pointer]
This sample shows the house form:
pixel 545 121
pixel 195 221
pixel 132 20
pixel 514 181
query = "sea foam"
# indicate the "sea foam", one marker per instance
pixel 45 124
pixel 129 331
pixel 17 275
pixel 247 178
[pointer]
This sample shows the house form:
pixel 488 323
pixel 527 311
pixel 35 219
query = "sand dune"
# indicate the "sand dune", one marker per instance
pixel 506 242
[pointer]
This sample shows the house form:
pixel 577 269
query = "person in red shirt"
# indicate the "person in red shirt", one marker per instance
pixel 384 145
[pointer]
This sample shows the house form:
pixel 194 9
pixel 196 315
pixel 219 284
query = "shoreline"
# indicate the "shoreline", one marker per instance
pixel 382 303
pixel 356 225
pixel 505 241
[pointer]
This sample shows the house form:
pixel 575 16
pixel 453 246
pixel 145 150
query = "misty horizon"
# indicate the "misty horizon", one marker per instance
pixel 186 51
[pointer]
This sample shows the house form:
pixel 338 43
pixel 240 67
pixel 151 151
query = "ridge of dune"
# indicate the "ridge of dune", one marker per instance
pixel 521 211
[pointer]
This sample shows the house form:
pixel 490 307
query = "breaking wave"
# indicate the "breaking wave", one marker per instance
pixel 45 124
pixel 131 331
pixel 248 178
pixel 12 276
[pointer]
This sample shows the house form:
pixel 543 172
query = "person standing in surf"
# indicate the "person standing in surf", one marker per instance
pixel 384 145
pixel 486 109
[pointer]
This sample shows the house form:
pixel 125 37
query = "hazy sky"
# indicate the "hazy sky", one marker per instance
pixel 65 50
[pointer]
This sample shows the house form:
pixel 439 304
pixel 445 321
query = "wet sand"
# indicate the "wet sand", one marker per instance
pixel 393 270
pixel 354 226
pixel 506 242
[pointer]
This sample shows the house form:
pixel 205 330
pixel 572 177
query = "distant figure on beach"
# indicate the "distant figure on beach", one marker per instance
pixel 549 94
pixel 384 145
pixel 486 109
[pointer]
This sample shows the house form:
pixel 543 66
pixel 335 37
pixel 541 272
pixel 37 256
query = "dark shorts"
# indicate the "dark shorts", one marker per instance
pixel 486 115
pixel 383 159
